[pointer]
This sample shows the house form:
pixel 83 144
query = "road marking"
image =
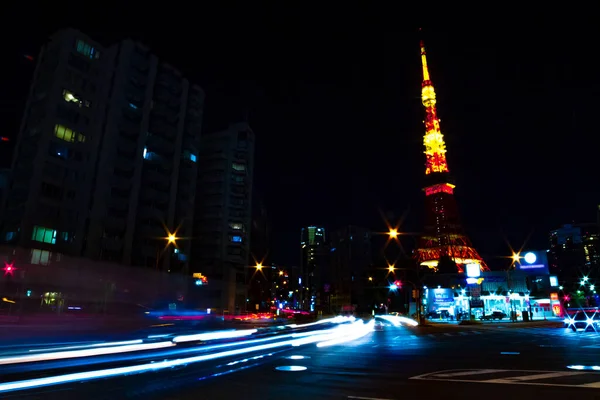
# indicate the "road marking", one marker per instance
pixel 367 398
pixel 510 353
pixel 592 346
pixel 448 334
pixel 477 332
pixel 397 337
pixel 523 378
pixel 463 333
pixel 431 335
pixel 413 336
pixel 470 372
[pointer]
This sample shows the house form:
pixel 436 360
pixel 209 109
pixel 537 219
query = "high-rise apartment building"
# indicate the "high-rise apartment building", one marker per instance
pixel 106 159
pixel 222 218
pixel 315 273
pixel 351 258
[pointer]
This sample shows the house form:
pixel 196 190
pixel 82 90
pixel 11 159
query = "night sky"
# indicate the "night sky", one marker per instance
pixel 334 99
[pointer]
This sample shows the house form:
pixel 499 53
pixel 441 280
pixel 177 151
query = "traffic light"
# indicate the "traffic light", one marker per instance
pixel 398 284
pixel 9 269
pixel 201 280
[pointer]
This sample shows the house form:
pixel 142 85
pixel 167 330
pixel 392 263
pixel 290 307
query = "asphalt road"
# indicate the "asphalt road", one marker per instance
pixel 495 361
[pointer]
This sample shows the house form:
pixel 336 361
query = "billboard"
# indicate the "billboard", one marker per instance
pixel 534 263
pixel 441 297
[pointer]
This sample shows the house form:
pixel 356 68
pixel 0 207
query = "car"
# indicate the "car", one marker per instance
pixel 584 321
pixel 499 315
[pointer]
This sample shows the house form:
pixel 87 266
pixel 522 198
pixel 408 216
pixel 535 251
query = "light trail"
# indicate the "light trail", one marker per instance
pixel 214 335
pixel 328 336
pixel 61 355
pixel 87 346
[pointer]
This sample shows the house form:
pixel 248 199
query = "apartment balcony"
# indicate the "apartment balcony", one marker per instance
pixel 158 196
pixel 159 179
pixel 112 244
pixel 160 145
pixel 115 223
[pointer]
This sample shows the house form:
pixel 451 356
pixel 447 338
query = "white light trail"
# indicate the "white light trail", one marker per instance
pixel 214 335
pixel 61 355
pixel 329 335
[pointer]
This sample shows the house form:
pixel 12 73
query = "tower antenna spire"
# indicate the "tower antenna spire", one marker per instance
pixel 443 237
pixel 424 63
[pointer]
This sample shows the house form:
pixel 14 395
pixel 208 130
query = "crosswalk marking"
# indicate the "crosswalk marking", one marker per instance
pixel 523 378
pixel 586 380
pixel 470 372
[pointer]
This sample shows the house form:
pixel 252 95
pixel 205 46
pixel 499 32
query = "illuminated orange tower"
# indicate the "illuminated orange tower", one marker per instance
pixel 443 234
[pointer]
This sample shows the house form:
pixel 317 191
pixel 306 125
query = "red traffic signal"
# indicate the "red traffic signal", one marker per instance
pixel 398 284
pixel 8 268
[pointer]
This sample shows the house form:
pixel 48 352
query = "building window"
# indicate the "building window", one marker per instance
pixel 40 257
pixel 44 235
pixel 238 167
pixel 70 97
pixel 67 134
pixel 187 155
pixel 56 150
pixel 87 50
pixel 235 239
pixel 236 226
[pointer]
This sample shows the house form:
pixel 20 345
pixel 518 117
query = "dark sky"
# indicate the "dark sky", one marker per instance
pixel 335 104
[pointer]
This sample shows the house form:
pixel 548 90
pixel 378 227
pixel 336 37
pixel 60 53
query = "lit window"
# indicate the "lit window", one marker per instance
pixel 133 106
pixel 87 50
pixel 148 155
pixel 238 167
pixel 40 257
pixel 59 151
pixel 67 134
pixel 236 226
pixel 235 239
pixel 189 156
pixel 44 235
pixel 70 97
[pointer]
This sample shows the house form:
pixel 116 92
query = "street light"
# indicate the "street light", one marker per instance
pixel 393 233
pixel 259 266
pixel 516 257
pixel 391 268
pixel 172 238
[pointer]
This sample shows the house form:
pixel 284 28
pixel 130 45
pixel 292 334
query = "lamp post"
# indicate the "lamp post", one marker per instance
pixel 394 234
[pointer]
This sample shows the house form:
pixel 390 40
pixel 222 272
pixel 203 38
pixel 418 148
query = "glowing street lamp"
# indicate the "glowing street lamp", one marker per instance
pixel 391 268
pixel 393 233
pixel 172 238
pixel 592 287
pixel 516 257
pixel 259 266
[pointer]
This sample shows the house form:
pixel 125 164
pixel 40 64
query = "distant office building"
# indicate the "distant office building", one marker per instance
pixel 260 230
pixel 4 183
pixel 105 162
pixel 222 222
pixel 315 278
pixel 574 250
pixel 351 258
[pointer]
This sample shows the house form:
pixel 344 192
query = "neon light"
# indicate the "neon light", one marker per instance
pixel 441 188
pixel 435 147
pixel 536 266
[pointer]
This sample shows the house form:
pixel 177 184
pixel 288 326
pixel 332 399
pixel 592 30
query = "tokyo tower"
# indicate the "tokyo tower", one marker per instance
pixel 443 234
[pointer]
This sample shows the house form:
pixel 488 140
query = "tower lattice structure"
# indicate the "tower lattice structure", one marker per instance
pixel 443 234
